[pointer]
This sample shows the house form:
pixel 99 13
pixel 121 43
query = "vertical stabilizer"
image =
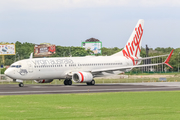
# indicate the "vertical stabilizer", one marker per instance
pixel 133 46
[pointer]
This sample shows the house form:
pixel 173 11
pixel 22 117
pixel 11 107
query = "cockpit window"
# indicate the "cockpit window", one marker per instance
pixel 16 66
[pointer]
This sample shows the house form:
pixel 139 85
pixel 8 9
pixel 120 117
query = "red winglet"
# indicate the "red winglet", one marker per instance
pixel 168 58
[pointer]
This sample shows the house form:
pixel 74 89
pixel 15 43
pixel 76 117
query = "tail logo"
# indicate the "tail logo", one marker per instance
pixel 133 47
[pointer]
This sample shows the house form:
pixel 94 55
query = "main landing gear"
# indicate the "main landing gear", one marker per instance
pixel 91 83
pixel 21 85
pixel 67 82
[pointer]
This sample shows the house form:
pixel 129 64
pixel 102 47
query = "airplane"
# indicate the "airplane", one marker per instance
pixel 82 69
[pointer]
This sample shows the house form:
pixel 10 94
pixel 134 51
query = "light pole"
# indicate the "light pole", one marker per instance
pixel 178 61
pixel 162 64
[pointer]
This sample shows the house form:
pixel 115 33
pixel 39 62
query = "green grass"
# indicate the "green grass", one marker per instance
pixel 95 106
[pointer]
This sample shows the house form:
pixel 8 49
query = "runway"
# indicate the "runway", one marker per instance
pixel 13 89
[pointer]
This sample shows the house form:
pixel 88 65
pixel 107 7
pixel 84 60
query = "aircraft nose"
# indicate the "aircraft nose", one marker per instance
pixel 7 72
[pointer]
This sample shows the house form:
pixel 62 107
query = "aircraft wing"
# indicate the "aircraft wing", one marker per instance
pixel 124 67
pixel 129 67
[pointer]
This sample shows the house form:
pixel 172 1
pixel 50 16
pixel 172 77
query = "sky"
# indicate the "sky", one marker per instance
pixel 69 22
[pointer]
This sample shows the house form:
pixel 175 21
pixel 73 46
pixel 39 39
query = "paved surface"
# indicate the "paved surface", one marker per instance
pixel 13 89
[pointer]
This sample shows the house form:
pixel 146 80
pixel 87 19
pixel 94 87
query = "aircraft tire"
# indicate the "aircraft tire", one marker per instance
pixel 69 82
pixel 65 82
pixel 88 83
pixel 92 82
pixel 21 85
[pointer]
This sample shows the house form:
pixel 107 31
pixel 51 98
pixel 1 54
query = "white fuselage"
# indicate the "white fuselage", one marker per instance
pixel 61 67
pixel 80 68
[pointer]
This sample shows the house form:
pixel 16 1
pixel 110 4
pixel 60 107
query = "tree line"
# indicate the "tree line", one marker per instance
pixel 23 51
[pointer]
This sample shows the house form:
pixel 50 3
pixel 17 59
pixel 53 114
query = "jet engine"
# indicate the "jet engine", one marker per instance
pixel 44 81
pixel 81 77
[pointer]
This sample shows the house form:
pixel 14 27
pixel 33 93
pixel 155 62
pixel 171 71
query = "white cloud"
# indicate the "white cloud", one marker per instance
pixel 65 4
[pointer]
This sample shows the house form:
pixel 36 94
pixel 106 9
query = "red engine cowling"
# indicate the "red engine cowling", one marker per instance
pixel 44 81
pixel 81 77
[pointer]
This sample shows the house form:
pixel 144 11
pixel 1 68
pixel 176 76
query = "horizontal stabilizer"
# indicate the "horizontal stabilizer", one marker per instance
pixel 168 58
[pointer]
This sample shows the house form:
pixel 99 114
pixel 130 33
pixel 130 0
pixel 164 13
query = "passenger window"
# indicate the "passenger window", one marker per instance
pixel 17 66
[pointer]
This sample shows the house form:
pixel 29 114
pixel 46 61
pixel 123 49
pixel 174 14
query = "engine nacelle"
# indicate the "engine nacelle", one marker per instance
pixel 44 81
pixel 81 77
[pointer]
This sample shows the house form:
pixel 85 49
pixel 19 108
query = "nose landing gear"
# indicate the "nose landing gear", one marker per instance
pixel 19 81
pixel 21 85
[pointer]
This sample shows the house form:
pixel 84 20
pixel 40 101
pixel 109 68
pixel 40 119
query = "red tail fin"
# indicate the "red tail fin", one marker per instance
pixel 168 58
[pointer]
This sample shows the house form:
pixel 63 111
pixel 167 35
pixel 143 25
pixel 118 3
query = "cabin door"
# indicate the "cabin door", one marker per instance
pixel 30 67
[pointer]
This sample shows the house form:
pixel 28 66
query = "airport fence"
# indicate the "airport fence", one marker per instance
pixel 137 80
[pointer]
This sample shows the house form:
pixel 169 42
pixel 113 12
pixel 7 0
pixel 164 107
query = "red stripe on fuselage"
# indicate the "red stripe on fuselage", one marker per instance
pixel 82 77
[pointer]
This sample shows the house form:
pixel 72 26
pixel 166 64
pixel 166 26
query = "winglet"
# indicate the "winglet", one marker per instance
pixel 168 58
pixel 31 56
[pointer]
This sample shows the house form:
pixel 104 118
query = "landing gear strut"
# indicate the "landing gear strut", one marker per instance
pixel 91 83
pixel 21 84
pixel 67 82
